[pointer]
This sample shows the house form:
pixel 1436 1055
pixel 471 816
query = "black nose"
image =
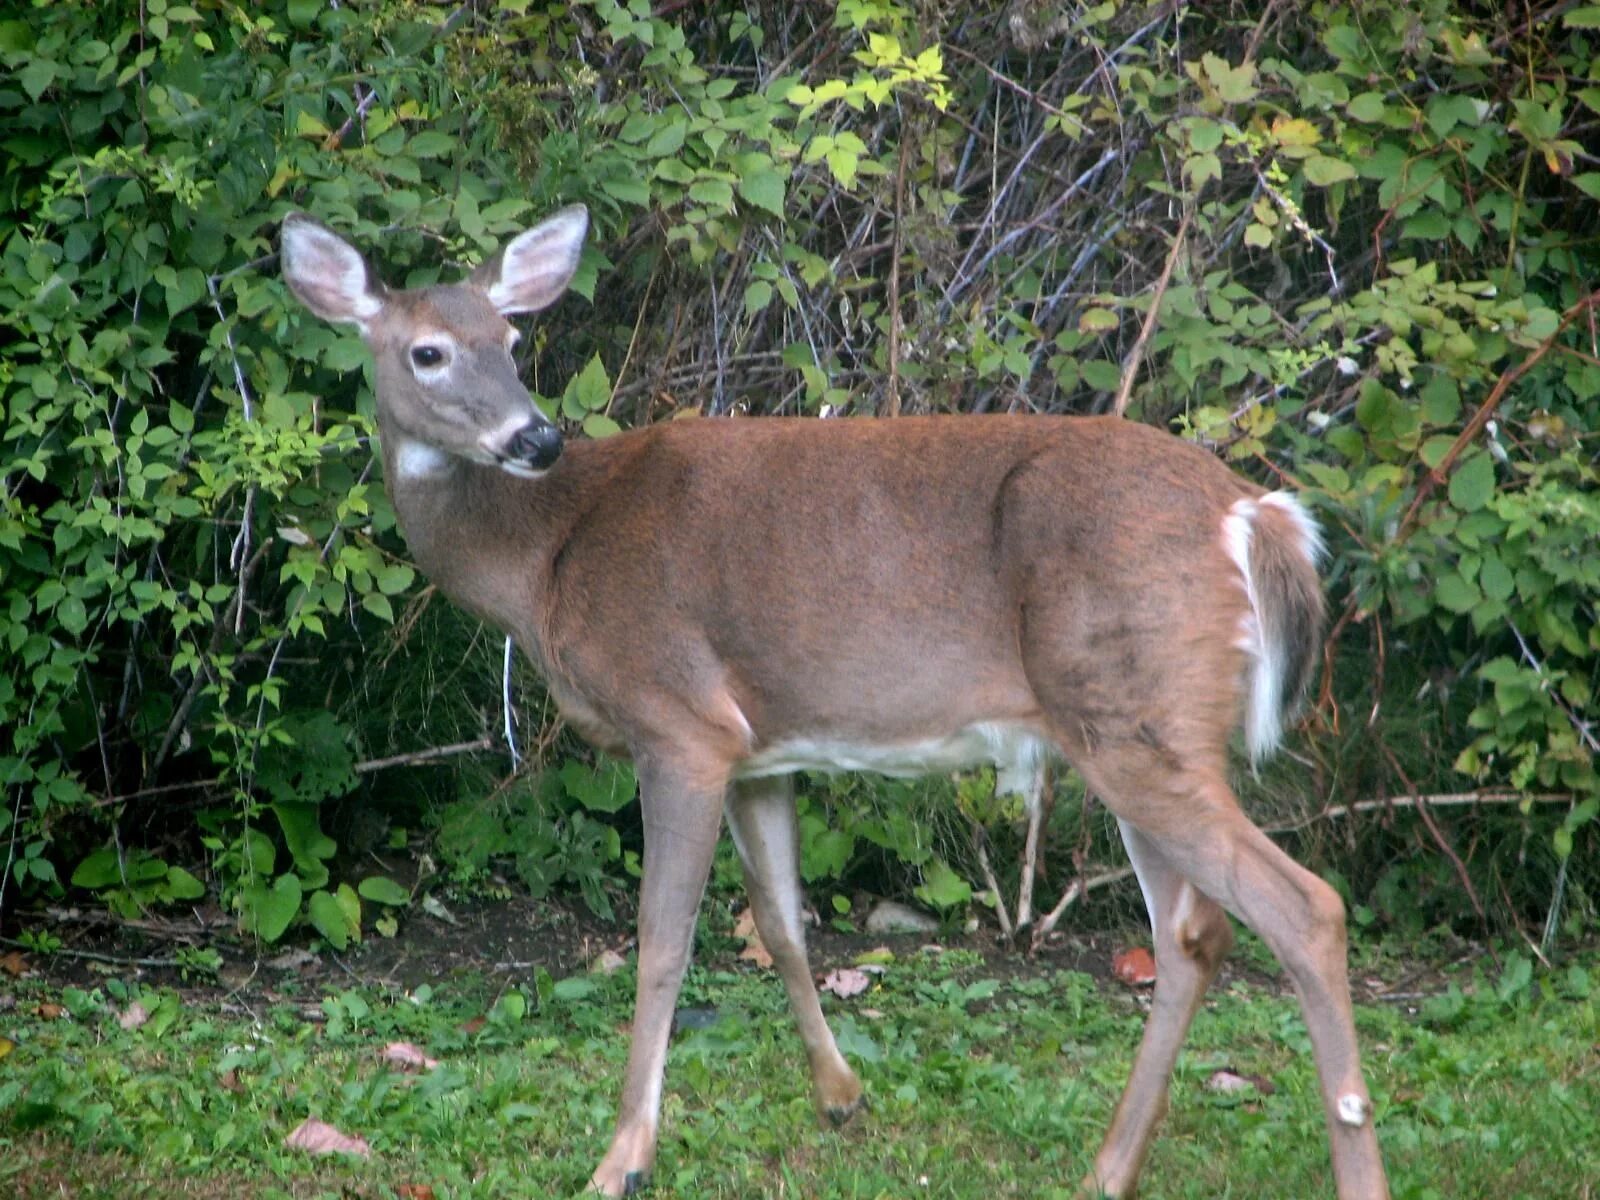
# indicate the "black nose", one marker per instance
pixel 537 443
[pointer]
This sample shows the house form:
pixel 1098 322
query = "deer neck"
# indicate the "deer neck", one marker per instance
pixel 484 537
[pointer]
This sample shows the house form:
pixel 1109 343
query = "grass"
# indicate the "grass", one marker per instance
pixel 980 1087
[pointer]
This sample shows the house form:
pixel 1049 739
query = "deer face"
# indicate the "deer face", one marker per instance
pixel 447 385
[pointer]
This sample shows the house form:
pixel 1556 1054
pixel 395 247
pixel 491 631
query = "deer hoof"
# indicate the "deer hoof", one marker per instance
pixel 635 1183
pixel 840 1115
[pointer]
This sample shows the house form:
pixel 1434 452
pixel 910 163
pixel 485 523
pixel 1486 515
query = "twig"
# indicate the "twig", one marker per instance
pixel 892 400
pixel 1130 365
pixel 1486 410
pixel 1076 890
pixel 421 756
pixel 1444 800
pixel 94 956
pixel 979 839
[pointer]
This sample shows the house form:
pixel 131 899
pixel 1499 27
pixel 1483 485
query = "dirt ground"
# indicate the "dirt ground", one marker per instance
pixel 513 938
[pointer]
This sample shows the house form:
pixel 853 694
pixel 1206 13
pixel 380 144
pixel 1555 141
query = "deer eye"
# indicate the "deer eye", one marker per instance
pixel 426 356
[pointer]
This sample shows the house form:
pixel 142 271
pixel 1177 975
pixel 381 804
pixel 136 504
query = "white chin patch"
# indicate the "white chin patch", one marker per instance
pixel 418 460
pixel 521 470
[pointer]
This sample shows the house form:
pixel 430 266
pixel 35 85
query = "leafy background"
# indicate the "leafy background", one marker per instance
pixel 1349 246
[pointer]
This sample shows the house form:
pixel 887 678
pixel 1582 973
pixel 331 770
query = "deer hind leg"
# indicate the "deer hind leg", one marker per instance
pixel 761 818
pixel 1192 936
pixel 682 808
pixel 1192 819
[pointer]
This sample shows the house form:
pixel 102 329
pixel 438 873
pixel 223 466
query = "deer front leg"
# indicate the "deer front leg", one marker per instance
pixel 682 809
pixel 761 819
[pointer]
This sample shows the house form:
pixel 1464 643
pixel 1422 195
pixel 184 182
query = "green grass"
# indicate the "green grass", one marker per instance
pixel 979 1088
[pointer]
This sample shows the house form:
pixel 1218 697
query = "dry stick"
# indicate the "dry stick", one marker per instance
pixel 422 756
pixel 1486 410
pixel 1007 82
pixel 892 402
pixel 1076 890
pixel 1130 365
pixel 979 839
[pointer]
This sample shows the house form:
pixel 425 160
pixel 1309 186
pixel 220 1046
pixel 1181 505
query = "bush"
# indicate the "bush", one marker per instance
pixel 1344 245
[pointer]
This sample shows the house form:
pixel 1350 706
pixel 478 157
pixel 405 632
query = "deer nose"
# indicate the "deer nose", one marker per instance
pixel 537 443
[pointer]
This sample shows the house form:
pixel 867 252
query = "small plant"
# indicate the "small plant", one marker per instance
pixel 198 963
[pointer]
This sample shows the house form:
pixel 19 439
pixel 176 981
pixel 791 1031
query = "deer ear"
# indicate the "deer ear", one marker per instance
pixel 532 270
pixel 327 273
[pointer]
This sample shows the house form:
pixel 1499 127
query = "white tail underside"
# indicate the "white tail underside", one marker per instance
pixel 1264 698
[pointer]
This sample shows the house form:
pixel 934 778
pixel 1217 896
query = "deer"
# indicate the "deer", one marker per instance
pixel 727 601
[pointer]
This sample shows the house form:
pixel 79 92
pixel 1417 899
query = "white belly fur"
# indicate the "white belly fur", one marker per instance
pixel 1016 752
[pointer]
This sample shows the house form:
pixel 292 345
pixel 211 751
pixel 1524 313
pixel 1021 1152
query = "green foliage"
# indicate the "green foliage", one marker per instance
pixel 1381 295
pixel 1483 1096
pixel 549 825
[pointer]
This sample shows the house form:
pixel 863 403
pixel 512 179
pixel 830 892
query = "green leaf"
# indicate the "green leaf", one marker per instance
pixel 1456 593
pixel 757 296
pixel 99 870
pixel 1101 375
pixel 591 388
pixel 303 12
pixel 378 605
pixel 1368 106
pixel 628 189
pixel 380 889
pixel 1588 183
pixel 308 845
pixel 330 919
pixel 763 187
pixel 38 75
pixel 266 912
pixel 573 987
pixel 1496 579
pixel 598 425
pixel 1324 171
pixel 607 787
pixel 1583 18
pixel 183 886
pixel 1473 483
pixel 715 193
pixel 942 887
pixel 665 141
pixel 1441 400
pixel 430 143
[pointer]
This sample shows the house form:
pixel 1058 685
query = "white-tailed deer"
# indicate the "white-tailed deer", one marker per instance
pixel 730 601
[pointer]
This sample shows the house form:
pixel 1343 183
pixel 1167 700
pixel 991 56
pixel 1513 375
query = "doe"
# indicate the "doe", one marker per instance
pixel 730 601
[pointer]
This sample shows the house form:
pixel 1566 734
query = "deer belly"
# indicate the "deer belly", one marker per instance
pixel 1015 751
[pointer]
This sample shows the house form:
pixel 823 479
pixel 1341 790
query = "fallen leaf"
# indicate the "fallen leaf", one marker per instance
pixel 291 960
pixel 51 1012
pixel 607 962
pixel 1136 967
pixel 754 951
pixel 432 906
pixel 472 1026
pixel 407 1057
pixel 1227 1082
pixel 846 982
pixel 133 1016
pixel 318 1137
pixel 6 1046
pixel 229 1081
pixel 414 1191
pixel 14 963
